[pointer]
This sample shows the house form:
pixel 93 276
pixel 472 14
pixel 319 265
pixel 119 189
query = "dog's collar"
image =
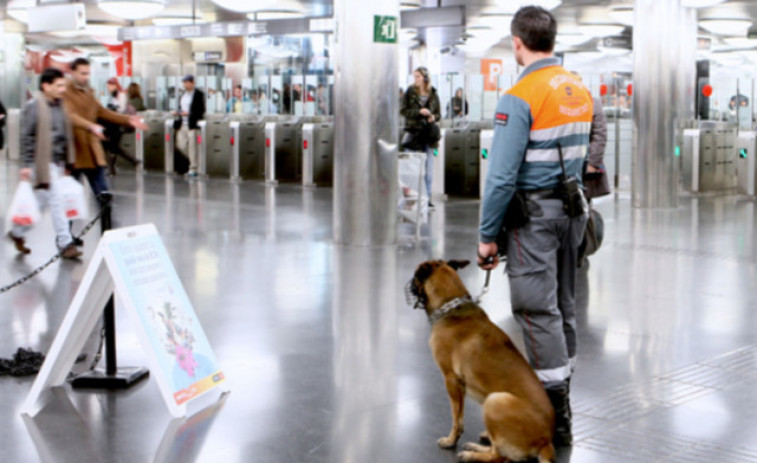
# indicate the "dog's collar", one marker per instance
pixel 448 307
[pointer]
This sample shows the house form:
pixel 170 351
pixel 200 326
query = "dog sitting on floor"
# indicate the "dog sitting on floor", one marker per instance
pixel 477 358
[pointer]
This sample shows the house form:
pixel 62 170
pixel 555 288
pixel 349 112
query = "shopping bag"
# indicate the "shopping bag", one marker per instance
pixel 24 209
pixel 71 195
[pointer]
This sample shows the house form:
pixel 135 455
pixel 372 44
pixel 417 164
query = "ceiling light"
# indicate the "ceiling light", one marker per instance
pixel 600 30
pixel 572 39
pixel 410 5
pixel 622 14
pixel 268 15
pixel 244 6
pixel 131 9
pixel 19 9
pixel 700 3
pixel 176 20
pixel 512 6
pixel 496 22
pixel 486 33
pixel 92 30
pixel 732 27
pixel 741 42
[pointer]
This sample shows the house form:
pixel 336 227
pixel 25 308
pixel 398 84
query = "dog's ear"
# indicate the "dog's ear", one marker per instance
pixel 458 264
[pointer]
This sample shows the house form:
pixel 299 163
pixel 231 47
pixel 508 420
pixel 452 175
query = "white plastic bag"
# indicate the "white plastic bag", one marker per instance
pixel 24 209
pixel 71 195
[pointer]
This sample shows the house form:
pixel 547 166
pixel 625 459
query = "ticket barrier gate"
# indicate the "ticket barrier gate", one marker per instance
pixel 149 144
pixel 746 163
pixel 283 159
pixel 248 150
pixel 216 146
pixel 709 157
pixel 317 154
pixel 462 166
pixel 485 144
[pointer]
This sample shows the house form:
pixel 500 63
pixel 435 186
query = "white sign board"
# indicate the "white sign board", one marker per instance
pixel 134 263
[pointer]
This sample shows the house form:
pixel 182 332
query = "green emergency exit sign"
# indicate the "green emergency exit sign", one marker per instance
pixel 385 29
pixel 742 153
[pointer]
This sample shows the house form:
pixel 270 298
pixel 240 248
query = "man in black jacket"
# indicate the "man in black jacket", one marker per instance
pixel 191 110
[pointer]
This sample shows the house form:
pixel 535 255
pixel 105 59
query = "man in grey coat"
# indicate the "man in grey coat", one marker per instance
pixel 47 150
pixel 595 177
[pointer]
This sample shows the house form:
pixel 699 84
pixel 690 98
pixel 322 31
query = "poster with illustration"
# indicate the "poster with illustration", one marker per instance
pixel 187 364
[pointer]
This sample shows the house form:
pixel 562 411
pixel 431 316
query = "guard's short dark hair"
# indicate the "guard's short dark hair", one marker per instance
pixel 79 62
pixel 536 27
pixel 49 76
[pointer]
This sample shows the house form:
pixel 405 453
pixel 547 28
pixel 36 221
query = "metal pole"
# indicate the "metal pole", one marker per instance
pixel 367 111
pixel 109 314
pixel 617 133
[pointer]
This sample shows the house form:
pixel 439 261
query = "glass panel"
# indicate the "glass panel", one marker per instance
pixel 277 95
pixel 457 86
pixel 297 94
pixel 311 85
pixel 475 96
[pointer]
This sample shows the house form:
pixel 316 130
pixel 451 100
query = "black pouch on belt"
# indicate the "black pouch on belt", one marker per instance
pixel 517 214
pixel 570 192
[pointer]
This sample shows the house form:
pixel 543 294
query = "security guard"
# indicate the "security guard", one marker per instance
pixel 544 118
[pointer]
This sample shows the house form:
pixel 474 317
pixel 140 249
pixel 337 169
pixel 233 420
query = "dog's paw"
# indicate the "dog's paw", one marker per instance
pixel 467 456
pixel 473 447
pixel 447 442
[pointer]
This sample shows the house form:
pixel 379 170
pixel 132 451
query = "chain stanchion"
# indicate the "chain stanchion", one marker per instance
pixel 53 259
pixel 112 377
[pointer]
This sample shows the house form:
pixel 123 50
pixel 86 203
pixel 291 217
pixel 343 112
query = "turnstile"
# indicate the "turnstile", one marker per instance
pixel 438 180
pixel 709 157
pixel 462 167
pixel 317 154
pixel 746 162
pixel 217 146
pixel 248 147
pixel 283 153
pixel 150 144
pixel 485 144
pixel 13 138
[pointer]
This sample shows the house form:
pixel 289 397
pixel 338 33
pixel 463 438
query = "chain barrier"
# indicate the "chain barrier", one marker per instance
pixel 55 258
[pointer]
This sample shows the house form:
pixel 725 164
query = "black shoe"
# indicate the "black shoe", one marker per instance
pixel 19 243
pixel 77 242
pixel 559 396
pixel 431 205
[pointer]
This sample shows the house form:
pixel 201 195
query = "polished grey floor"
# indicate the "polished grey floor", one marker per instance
pixel 327 363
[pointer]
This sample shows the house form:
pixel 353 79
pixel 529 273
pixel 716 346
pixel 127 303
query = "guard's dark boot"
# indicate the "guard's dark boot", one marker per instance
pixel 559 395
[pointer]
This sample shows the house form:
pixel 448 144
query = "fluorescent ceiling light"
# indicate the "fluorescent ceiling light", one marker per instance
pixel 245 6
pixel 572 39
pixel 600 30
pixel 92 30
pixel 410 5
pixel 511 6
pixel 131 9
pixel 18 9
pixel 496 22
pixel 732 27
pixel 268 15
pixel 622 14
pixel 486 33
pixel 176 20
pixel 741 42
pixel 700 3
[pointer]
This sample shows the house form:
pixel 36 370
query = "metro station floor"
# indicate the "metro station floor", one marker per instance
pixel 327 363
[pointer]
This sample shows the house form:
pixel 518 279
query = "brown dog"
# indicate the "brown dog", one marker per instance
pixel 478 358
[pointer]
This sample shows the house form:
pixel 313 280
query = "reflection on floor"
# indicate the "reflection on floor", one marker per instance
pixel 326 363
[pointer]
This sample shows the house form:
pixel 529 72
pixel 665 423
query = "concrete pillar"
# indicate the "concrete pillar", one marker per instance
pixel 366 117
pixel 664 70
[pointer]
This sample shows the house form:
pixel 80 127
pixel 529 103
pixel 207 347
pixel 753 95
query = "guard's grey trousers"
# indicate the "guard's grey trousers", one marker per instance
pixel 541 266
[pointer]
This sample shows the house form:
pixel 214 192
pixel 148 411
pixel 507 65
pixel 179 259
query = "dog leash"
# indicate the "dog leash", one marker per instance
pixel 488 260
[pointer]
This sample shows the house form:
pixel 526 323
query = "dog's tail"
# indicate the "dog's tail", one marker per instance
pixel 547 454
